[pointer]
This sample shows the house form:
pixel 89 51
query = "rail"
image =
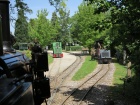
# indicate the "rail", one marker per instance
pixel 61 77
pixel 91 81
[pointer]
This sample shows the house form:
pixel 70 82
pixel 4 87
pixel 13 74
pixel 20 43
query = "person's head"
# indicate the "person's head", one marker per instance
pixel 35 40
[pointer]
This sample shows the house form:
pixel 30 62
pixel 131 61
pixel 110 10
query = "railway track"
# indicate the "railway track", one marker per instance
pixel 89 90
pixel 60 77
pixel 77 95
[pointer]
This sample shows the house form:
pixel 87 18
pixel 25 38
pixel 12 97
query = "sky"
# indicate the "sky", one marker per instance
pixel 36 5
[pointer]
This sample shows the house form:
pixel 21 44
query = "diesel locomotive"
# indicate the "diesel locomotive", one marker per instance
pixel 22 80
pixel 103 55
pixel 57 50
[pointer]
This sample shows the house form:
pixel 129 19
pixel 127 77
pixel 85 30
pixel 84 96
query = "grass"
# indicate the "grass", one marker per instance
pixel 26 52
pixel 119 74
pixel 50 59
pixel 131 93
pixel 87 67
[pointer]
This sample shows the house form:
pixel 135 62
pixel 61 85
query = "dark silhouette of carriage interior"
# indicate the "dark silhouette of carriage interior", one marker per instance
pixel 22 80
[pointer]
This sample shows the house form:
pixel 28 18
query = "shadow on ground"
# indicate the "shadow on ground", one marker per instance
pixel 99 96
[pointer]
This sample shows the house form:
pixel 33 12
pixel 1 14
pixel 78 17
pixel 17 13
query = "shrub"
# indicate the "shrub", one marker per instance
pixel 73 48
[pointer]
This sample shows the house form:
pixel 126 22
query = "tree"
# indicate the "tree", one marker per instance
pixel 125 15
pixel 62 30
pixel 83 22
pixel 21 29
pixel 64 22
pixel 55 27
pixel 41 28
pixel 56 4
pixel 126 35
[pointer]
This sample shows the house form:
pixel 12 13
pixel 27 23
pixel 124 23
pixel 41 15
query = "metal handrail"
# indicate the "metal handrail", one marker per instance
pixel 1 42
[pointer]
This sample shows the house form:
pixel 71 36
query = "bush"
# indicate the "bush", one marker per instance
pixel 73 48
pixel 28 54
pixel 16 46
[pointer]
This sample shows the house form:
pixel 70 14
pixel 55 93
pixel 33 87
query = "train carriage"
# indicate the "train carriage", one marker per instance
pixel 57 50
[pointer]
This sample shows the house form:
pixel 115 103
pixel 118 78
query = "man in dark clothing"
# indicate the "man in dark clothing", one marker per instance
pixel 36 47
pixel 98 47
pixel 36 51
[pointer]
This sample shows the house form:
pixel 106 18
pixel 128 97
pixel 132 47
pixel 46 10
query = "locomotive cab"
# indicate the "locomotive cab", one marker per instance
pixel 21 80
pixel 105 56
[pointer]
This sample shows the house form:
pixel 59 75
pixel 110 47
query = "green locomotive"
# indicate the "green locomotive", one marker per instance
pixel 57 50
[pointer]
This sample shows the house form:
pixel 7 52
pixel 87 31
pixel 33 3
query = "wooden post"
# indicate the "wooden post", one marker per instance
pixel 128 69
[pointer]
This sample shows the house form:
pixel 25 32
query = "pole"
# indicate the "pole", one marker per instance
pixel 1 42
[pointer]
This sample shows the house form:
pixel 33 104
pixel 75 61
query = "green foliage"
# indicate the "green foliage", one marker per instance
pixel 16 46
pixel 87 67
pixel 73 48
pixel 123 25
pixel 50 58
pixel 84 25
pixel 55 27
pixel 131 91
pixel 28 54
pixel 117 88
pixel 56 3
pixel 120 72
pixel 21 29
pixel 124 16
pixel 41 28
pixel 60 21
pixel 123 28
